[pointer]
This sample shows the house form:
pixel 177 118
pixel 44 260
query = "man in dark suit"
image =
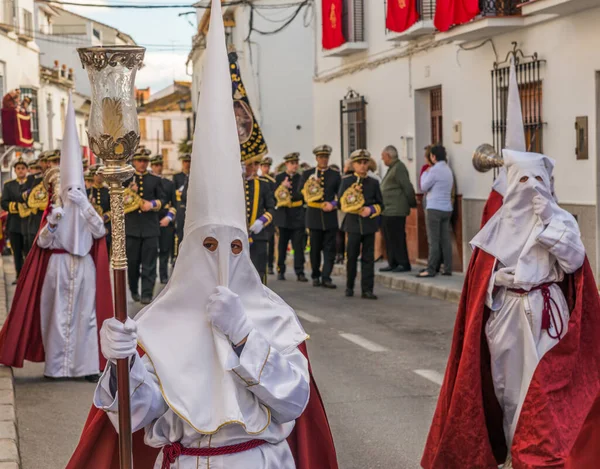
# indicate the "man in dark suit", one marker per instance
pixel 267 176
pixel 320 189
pixel 180 182
pixel 99 197
pixel 142 227
pixel 166 216
pixel 289 216
pixel 360 198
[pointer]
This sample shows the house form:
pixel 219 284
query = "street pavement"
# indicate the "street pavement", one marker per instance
pixel 378 365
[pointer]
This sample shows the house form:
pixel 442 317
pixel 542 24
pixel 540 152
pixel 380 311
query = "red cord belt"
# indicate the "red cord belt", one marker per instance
pixel 173 451
pixel 550 312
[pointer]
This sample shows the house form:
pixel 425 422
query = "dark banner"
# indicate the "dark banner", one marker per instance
pixel 252 142
pixel 333 35
pixel 401 15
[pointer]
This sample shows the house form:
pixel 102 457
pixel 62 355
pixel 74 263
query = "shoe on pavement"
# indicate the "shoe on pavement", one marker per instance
pixel 401 268
pixel 92 378
pixel 280 276
pixel 447 274
pixel 302 278
pixel 146 301
pixel 368 295
pixel 316 282
pixel 329 284
pixel 389 268
pixel 349 292
pixel 425 274
pixel 135 297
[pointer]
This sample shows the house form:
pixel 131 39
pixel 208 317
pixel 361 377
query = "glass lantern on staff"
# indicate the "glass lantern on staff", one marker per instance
pixel 113 134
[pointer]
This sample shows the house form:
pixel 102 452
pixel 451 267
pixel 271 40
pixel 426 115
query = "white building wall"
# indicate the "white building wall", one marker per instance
pixel 154 127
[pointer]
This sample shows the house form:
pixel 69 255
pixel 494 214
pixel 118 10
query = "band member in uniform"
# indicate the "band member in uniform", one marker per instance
pixel 143 201
pixel 289 216
pixel 99 197
pixel 360 198
pixel 265 168
pixel 12 202
pixel 166 215
pixel 180 181
pixel 36 196
pixel 88 179
pixel 260 206
pixel 320 188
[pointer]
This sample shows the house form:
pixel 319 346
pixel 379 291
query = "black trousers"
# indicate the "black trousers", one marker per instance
pixel 297 238
pixel 322 241
pixel 258 255
pixel 271 251
pixel 165 251
pixel 17 243
pixel 142 253
pixel 356 241
pixel 394 233
pixel 340 244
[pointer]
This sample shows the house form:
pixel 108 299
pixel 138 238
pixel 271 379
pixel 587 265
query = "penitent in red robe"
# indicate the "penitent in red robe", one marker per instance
pixel 311 441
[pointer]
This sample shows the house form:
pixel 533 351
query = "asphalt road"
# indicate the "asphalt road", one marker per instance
pixel 377 364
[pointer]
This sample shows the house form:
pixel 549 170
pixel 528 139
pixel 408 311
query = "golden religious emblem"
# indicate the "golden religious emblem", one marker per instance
pixel 131 200
pixel 312 190
pixel 353 199
pixel 283 197
pixel 333 16
pixel 402 4
pixel 24 210
pixel 38 198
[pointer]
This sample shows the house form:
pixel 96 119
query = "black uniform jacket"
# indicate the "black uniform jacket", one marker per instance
pixel 316 218
pixel 145 224
pixel 259 203
pixel 180 182
pixel 292 217
pixel 170 198
pixel 12 196
pixel 99 197
pixel 354 223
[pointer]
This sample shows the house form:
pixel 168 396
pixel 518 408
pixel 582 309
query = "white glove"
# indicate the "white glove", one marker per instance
pixel 542 208
pixel 118 340
pixel 257 227
pixel 227 314
pixel 55 215
pixel 78 198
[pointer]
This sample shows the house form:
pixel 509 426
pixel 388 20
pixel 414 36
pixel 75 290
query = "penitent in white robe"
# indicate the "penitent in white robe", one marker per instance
pixel 282 386
pixel 514 332
pixel 68 305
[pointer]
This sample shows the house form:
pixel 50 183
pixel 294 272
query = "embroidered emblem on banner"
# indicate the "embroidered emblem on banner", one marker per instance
pixel 332 16
pixel 402 4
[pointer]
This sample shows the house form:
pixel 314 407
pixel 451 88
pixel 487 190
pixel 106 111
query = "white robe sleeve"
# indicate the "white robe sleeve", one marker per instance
pixel 46 237
pixel 279 380
pixel 94 221
pixel 563 240
pixel 147 403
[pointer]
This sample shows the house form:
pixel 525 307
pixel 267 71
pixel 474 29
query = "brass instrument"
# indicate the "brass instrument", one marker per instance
pixel 352 199
pixel 313 190
pixel 486 158
pixel 283 196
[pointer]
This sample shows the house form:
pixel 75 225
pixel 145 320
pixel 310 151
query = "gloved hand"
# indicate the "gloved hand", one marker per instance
pixel 55 215
pixel 78 198
pixel 542 208
pixel 227 314
pixel 118 340
pixel 257 227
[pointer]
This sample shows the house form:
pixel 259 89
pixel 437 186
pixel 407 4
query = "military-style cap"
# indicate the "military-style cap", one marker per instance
pixel 85 162
pixel 43 156
pixel 20 160
pixel 322 150
pixel 360 155
pixel 186 157
pixel 290 157
pixel 94 169
pixel 88 175
pixel 142 154
pixel 267 160
pixel 34 164
pixel 53 155
pixel 158 159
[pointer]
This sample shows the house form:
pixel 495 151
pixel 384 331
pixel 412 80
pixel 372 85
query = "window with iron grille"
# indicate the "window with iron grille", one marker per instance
pixel 530 91
pixel 353 20
pixel 167 134
pixel 425 9
pixel 437 117
pixel 499 7
pixel 353 123
pixel 33 109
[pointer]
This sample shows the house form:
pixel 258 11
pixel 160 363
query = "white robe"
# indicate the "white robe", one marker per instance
pixel 68 306
pixel 283 387
pixel 515 337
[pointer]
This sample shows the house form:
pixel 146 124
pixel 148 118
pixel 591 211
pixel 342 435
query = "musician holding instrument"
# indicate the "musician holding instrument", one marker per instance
pixel 360 198
pixel 99 197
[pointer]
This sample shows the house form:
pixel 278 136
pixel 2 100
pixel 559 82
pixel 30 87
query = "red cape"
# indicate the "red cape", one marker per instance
pixel 311 441
pixel 561 413
pixel 21 336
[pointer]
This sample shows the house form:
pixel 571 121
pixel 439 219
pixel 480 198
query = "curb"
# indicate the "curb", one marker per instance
pixel 9 437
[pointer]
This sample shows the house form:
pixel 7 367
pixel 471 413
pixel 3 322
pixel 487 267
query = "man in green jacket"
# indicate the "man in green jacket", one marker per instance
pixel 398 199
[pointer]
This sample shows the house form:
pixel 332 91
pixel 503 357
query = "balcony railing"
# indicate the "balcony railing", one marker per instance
pixel 499 7
pixel 426 9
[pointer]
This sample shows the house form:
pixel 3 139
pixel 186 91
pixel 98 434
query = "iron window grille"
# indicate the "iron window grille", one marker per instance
pixel 353 20
pixel 425 9
pixel 33 109
pixel 499 7
pixel 353 123
pixel 529 79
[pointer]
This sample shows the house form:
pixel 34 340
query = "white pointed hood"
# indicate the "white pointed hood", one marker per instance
pixel 515 135
pixel 72 231
pixel 189 356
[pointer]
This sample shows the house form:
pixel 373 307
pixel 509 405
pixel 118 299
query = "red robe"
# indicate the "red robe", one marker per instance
pixel 311 441
pixel 561 414
pixel 21 336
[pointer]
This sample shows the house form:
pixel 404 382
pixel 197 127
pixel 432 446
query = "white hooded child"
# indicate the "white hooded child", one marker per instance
pixel 68 301
pixel 535 243
pixel 221 367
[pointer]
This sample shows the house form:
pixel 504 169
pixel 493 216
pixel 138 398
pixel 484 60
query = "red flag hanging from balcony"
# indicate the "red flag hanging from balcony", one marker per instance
pixel 401 15
pixel 449 13
pixel 332 24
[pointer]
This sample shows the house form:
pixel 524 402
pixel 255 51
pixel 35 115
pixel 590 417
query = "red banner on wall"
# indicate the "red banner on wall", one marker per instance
pixel 401 15
pixel 332 24
pixel 449 13
pixel 16 128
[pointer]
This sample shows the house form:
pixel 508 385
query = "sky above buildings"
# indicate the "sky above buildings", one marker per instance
pixel 166 36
